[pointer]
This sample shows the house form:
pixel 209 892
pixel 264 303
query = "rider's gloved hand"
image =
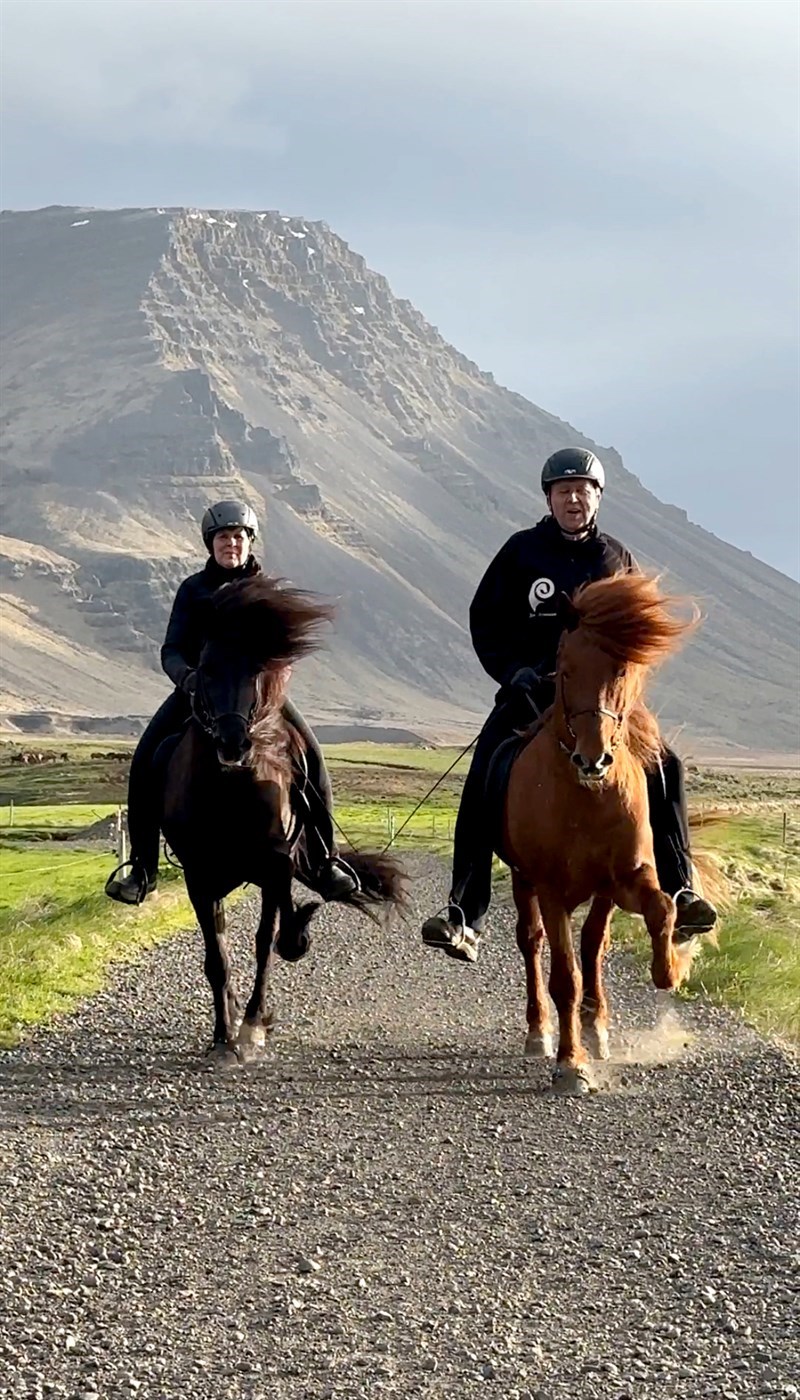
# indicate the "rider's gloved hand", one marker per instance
pixel 189 684
pixel 520 691
pixel 526 679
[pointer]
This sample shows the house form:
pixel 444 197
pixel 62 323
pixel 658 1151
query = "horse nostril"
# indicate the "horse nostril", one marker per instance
pixel 577 759
pixel 606 760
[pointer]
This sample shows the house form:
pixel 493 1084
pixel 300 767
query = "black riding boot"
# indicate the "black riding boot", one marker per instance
pixel 458 932
pixel 669 819
pixel 318 863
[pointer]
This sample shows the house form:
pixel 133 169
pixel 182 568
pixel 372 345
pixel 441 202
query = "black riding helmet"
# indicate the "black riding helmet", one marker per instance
pixel 228 515
pixel 573 462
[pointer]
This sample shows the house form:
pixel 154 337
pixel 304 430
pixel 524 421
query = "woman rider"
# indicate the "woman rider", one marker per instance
pixel 229 530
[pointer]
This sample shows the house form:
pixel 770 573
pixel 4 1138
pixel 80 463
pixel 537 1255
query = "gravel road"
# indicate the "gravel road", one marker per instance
pixel 392 1203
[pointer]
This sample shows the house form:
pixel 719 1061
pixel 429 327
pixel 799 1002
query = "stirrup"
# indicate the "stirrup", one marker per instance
pixel 464 945
pixel 144 885
pixel 702 923
pixel 345 864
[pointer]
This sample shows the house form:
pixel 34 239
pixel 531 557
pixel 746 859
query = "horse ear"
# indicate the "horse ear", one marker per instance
pixel 568 614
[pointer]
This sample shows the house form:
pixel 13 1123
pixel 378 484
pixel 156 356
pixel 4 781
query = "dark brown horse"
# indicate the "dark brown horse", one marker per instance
pixel 227 810
pixel 576 824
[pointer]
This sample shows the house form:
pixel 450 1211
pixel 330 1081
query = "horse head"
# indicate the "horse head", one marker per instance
pixel 225 702
pixel 616 629
pixel 257 628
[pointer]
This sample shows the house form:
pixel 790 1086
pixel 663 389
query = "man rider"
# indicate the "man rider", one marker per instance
pixel 515 627
pixel 229 530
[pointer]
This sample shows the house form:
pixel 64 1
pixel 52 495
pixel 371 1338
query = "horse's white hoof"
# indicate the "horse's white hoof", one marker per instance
pixel 539 1045
pixel 595 1038
pixel 572 1081
pixel 251 1040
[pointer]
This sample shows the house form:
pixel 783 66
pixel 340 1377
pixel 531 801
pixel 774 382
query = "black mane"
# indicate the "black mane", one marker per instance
pixel 266 620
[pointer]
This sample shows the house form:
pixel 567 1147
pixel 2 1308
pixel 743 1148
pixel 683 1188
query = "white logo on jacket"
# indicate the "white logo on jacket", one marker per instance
pixel 542 589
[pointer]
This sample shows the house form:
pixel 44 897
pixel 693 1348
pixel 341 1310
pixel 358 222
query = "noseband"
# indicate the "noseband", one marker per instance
pixel 207 721
pixel 598 713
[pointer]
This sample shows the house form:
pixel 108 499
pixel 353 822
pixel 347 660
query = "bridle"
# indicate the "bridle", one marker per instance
pixel 207 721
pixel 598 713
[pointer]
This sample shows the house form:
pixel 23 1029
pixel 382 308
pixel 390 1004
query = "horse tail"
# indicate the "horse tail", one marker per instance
pixel 382 882
pixel 710 881
pixel 710 877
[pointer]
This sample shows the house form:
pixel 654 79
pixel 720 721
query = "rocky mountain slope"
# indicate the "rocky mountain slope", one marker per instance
pixel 154 360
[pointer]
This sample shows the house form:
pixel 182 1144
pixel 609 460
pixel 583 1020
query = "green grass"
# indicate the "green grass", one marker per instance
pixel 414 756
pixel 59 932
pixel 756 964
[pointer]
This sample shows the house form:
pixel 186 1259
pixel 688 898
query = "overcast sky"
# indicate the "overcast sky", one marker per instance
pixel 596 200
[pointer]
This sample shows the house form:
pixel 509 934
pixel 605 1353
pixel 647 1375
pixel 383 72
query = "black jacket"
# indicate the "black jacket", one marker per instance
pixel 514 617
pixel 188 621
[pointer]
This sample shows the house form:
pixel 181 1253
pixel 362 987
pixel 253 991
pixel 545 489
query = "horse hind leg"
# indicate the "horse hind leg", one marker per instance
pixel 530 938
pixel 595 939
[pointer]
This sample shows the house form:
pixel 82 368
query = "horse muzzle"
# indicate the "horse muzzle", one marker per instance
pixel 232 741
pixel 592 772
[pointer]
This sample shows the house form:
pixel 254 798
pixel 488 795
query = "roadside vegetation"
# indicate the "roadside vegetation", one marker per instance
pixel 59 933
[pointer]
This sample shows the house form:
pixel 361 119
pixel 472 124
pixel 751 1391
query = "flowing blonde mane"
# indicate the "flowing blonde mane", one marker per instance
pixel 633 622
pixel 629 617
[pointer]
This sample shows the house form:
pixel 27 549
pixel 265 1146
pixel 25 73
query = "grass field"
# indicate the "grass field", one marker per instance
pixel 58 932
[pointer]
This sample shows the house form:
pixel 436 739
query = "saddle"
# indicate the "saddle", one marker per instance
pixel 499 772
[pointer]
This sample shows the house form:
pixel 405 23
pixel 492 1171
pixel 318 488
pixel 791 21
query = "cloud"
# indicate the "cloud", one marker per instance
pixel 650 74
pixel 596 199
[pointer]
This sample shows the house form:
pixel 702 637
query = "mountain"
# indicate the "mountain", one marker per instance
pixel 156 359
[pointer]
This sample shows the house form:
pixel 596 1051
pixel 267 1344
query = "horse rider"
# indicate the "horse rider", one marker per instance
pixel 515 628
pixel 229 530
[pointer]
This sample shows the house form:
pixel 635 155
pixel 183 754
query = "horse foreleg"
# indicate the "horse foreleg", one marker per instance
pixel 211 918
pixel 595 938
pixel 258 1019
pixel 640 894
pixel 530 937
pixel 570 1075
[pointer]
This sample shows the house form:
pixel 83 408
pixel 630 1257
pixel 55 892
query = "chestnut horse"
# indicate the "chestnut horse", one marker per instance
pixel 576 824
pixel 228 813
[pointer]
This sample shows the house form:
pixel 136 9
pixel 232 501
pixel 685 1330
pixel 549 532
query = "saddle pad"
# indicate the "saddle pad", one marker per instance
pixel 497 783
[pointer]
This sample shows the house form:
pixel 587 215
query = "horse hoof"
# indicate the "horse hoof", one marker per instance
pixel 572 1081
pixel 251 1041
pixel 539 1046
pixel 294 951
pixel 223 1056
pixel 595 1038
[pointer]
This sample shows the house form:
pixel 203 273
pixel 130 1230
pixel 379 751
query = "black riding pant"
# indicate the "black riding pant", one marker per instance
pixel 473 847
pixel 145 790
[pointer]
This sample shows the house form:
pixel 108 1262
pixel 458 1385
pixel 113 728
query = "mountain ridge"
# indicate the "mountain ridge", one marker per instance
pixel 155 359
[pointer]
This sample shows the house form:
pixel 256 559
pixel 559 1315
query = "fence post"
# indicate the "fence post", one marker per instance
pixel 122 840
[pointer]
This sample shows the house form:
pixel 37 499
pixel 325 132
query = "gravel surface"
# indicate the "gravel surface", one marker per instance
pixel 392 1203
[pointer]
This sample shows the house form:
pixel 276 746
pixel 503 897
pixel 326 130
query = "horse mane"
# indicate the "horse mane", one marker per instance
pixel 643 736
pixel 269 622
pixel 633 622
pixel 630 619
